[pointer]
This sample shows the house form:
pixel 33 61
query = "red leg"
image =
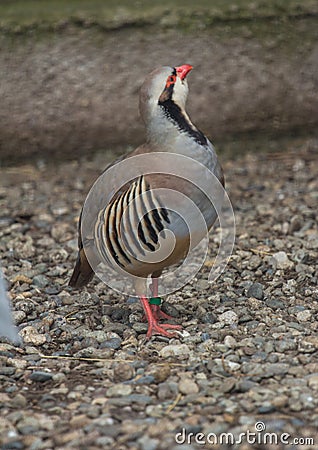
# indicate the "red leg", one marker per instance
pixel 154 287
pixel 153 326
pixel 157 313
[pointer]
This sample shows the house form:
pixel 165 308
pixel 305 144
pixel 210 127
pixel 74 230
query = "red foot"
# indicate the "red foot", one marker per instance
pixel 158 314
pixel 156 328
pixel 153 314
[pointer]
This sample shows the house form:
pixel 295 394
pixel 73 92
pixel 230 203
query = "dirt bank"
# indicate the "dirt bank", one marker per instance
pixel 74 88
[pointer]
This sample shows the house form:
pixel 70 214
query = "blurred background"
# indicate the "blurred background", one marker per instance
pixel 71 72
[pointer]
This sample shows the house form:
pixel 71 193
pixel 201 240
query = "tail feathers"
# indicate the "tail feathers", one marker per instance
pixel 82 273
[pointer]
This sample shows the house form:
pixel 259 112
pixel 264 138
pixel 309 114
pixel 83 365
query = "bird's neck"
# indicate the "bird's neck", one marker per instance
pixel 182 121
pixel 171 124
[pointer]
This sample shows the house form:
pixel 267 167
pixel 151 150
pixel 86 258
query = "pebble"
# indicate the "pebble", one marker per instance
pixel 304 316
pixel 18 317
pixel 167 390
pixel 188 386
pixel 274 303
pixel 203 285
pixel 230 342
pixel 245 385
pixel 79 421
pixel 175 350
pixel 208 317
pixel 228 385
pixel 228 318
pixel 281 260
pixel 30 335
pixel 309 344
pixel 280 401
pixel 28 425
pixel 40 281
pixel 256 291
pixel 147 443
pixel 114 343
pixel 7 371
pixel 119 390
pixel 123 372
pixel 285 345
pixel 160 373
pixel 313 381
pixel 18 401
pixel 41 376
pixel 128 400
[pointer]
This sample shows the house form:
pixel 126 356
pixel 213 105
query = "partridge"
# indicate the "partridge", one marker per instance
pixel 129 226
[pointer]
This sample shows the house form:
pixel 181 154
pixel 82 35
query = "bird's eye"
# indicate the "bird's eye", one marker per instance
pixel 170 80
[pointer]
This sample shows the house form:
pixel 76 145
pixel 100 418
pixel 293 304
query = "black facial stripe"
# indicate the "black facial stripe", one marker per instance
pixel 168 90
pixel 173 112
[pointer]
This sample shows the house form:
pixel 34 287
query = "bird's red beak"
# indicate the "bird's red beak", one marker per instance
pixel 182 71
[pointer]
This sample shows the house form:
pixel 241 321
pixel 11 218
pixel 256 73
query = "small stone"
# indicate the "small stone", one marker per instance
pixel 167 390
pixel 303 316
pixel 119 390
pixel 174 350
pixel 284 345
pixel 40 281
pixel 19 363
pixel 232 366
pixel 105 441
pixel 18 317
pixel 128 400
pixel 147 379
pixel 79 421
pixel 160 373
pixel 228 318
pixel 28 425
pixel 60 232
pixel 230 342
pixel 295 224
pixel 280 401
pixel 123 372
pixel 313 381
pixel 202 285
pixel 256 291
pixel 4 398
pixel 30 335
pixel 221 347
pixel 228 385
pixel 309 344
pixel 140 327
pixel 281 261
pixel 274 303
pixel 114 343
pixel 99 335
pixel 274 369
pixel 18 401
pixel 41 376
pixel 188 386
pixel 147 443
pixel 266 408
pixel 245 385
pixel 209 317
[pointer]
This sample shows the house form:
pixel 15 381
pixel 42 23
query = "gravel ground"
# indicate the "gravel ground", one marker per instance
pixel 85 377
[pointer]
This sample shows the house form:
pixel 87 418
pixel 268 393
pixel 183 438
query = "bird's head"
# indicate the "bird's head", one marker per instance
pixel 162 85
